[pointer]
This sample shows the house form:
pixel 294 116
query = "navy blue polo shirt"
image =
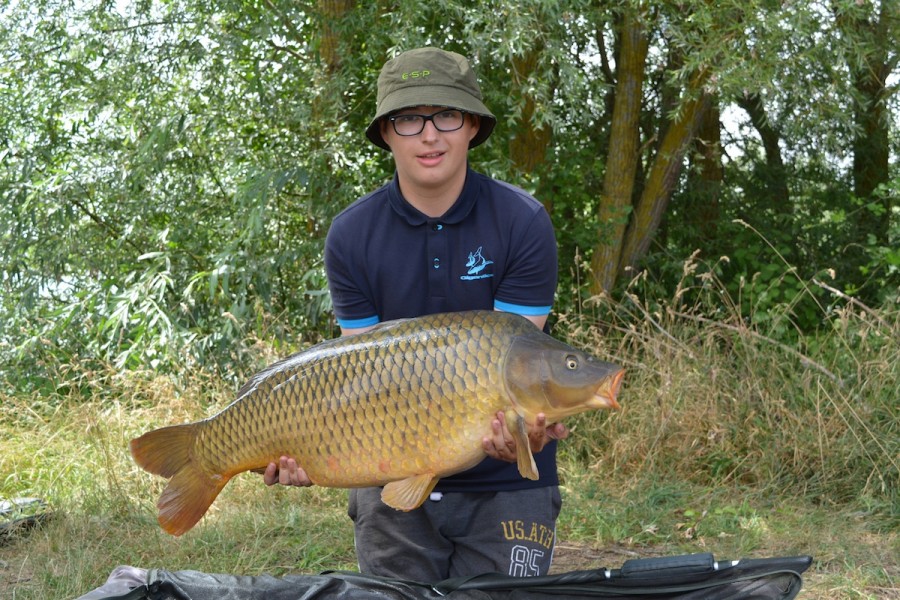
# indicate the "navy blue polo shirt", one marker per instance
pixel 493 249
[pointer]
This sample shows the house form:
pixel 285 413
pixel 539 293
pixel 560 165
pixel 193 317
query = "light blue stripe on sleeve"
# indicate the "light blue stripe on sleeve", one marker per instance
pixel 357 323
pixel 525 311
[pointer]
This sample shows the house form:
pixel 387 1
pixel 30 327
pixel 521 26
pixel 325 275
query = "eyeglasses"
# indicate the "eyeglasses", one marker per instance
pixel 446 120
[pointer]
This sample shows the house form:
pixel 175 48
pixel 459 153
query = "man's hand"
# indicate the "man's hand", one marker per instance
pixel 502 446
pixel 286 472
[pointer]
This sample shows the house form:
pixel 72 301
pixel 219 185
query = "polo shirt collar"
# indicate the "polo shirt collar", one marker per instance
pixel 459 211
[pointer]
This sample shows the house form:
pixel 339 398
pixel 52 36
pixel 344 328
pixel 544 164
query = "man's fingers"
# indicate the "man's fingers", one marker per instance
pixel 558 431
pixel 270 477
pixel 499 444
pixel 286 472
pixel 537 433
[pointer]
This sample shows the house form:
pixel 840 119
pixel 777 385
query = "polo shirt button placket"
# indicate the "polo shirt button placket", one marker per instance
pixel 437 227
pixel 437 249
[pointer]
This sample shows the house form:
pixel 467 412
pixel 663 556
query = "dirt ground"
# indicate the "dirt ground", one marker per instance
pixel 572 556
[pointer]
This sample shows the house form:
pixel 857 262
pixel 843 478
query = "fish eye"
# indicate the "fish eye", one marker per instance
pixel 571 362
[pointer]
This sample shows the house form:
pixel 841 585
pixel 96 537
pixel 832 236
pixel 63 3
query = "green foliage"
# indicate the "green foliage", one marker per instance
pixel 169 170
pixel 880 270
pixel 160 215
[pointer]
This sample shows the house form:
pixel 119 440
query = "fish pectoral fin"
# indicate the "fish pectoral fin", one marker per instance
pixel 524 458
pixel 409 493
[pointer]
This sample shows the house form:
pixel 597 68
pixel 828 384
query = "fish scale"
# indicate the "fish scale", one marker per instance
pixel 401 405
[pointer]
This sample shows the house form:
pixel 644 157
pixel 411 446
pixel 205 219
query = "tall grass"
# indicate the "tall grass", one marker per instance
pixel 718 398
pixel 742 433
pixel 738 433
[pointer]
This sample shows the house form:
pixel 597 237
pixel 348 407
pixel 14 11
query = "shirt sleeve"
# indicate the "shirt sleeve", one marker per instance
pixel 352 307
pixel 529 284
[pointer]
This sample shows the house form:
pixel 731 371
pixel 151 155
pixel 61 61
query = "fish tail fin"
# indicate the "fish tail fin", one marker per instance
pixel 191 490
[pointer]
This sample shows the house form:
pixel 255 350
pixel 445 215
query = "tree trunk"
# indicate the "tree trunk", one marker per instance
pixel 325 107
pixel 528 146
pixel 869 69
pixel 333 44
pixel 871 147
pixel 332 11
pixel 622 161
pixel 702 210
pixel 661 179
pixel 776 175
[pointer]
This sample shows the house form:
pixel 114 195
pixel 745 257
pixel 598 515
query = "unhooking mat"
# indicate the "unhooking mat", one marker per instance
pixel 688 577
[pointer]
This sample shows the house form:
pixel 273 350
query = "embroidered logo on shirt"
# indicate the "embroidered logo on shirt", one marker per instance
pixel 475 265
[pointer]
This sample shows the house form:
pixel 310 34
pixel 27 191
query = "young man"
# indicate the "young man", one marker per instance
pixel 438 238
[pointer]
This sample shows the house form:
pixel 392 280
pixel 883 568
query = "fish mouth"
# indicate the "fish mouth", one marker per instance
pixel 605 394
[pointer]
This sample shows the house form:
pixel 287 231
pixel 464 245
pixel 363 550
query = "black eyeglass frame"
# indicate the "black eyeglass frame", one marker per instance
pixel 426 118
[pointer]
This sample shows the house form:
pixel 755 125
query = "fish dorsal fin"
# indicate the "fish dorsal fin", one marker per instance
pixel 409 493
pixel 525 460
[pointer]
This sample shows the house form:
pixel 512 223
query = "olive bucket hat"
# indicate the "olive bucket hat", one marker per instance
pixel 429 77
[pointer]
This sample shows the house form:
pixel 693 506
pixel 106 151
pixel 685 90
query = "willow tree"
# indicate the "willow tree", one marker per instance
pixel 826 96
pixel 189 147
pixel 697 52
pixel 201 149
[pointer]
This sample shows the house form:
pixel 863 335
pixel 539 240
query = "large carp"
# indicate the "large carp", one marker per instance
pixel 401 405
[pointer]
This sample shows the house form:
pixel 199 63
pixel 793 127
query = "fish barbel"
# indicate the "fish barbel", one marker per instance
pixel 399 406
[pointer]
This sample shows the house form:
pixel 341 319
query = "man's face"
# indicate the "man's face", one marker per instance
pixel 431 158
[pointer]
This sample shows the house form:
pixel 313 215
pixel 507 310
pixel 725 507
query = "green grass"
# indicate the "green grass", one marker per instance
pixel 730 440
pixel 666 518
pixel 75 456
